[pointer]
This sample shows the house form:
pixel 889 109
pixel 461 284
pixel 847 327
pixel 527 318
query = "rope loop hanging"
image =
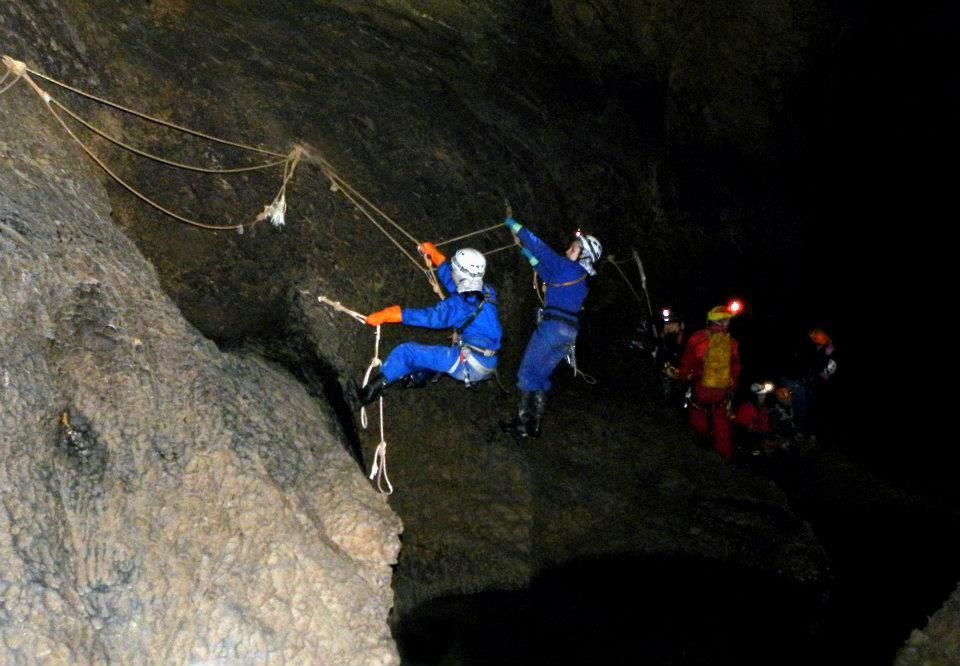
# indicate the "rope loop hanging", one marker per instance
pixel 274 211
pixel 378 469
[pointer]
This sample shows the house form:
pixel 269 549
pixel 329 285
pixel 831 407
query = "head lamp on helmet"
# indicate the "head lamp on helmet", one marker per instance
pixel 590 251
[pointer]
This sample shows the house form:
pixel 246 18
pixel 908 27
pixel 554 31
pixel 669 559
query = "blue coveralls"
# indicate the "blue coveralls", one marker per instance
pixel 466 362
pixel 566 282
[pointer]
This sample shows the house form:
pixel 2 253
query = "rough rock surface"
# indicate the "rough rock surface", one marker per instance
pixel 163 502
pixel 937 644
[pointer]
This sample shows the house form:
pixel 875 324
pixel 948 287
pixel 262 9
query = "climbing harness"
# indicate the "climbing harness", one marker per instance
pixel 378 468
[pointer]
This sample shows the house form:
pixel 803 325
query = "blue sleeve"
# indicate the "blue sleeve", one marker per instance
pixel 552 267
pixel 446 278
pixel 448 313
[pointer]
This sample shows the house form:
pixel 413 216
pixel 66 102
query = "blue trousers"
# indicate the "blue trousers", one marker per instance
pixel 411 357
pixel 547 347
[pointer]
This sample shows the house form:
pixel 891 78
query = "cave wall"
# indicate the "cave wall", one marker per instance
pixel 162 501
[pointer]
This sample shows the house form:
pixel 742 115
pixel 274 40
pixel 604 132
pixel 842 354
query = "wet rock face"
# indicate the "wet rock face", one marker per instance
pixel 161 501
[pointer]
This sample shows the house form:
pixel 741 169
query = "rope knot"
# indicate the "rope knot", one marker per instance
pixel 275 211
pixel 18 67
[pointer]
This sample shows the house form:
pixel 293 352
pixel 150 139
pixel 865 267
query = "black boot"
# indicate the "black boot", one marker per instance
pixel 372 390
pixel 520 425
pixel 538 405
pixel 417 379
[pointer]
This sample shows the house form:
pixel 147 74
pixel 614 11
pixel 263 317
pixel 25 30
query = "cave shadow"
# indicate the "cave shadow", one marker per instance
pixel 629 609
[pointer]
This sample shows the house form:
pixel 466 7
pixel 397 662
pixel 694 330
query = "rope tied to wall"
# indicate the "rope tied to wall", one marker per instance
pixel 274 211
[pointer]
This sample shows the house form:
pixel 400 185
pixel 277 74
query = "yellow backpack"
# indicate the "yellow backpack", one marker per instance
pixel 716 361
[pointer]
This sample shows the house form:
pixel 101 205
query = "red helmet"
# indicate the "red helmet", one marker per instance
pixel 819 337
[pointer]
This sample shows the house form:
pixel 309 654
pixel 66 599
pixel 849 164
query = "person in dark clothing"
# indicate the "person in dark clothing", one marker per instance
pixel 810 379
pixel 672 337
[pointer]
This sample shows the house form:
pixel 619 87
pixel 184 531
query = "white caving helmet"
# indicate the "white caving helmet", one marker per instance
pixel 467 268
pixel 590 251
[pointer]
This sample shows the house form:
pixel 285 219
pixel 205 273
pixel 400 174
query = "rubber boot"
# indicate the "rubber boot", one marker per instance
pixel 520 425
pixel 538 405
pixel 372 390
pixel 417 379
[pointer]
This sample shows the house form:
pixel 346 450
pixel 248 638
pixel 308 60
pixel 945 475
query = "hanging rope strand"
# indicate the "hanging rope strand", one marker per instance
pixel 7 87
pixel 378 468
pixel 379 226
pixel 625 279
pixel 152 119
pixel 130 188
pixel 275 209
pixel 338 183
pixel 344 185
pixel 162 160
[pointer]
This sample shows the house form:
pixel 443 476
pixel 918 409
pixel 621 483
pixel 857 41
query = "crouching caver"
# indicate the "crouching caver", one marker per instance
pixel 471 310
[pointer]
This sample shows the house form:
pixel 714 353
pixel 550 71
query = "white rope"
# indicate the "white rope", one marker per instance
pixel 339 307
pixel 378 470
pixel 374 362
pixel 7 87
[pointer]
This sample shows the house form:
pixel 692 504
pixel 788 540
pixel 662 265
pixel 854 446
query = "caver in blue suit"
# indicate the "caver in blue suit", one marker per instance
pixel 565 281
pixel 471 312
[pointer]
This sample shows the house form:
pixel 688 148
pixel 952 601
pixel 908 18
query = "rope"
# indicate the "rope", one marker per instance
pixel 625 279
pixel 344 185
pixel 375 362
pixel 432 278
pixel 161 160
pixel 536 289
pixel 338 184
pixel 274 210
pixel 10 70
pixel 500 249
pixel 144 116
pixel 336 305
pixel 378 469
pixel 589 379
pixel 135 192
pixel 472 233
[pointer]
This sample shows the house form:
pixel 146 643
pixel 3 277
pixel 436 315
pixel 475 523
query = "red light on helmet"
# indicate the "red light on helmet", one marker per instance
pixel 735 307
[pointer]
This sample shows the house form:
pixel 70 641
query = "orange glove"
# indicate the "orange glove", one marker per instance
pixel 390 315
pixel 430 251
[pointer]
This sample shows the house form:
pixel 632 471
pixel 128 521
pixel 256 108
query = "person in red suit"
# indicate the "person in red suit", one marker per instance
pixel 711 361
